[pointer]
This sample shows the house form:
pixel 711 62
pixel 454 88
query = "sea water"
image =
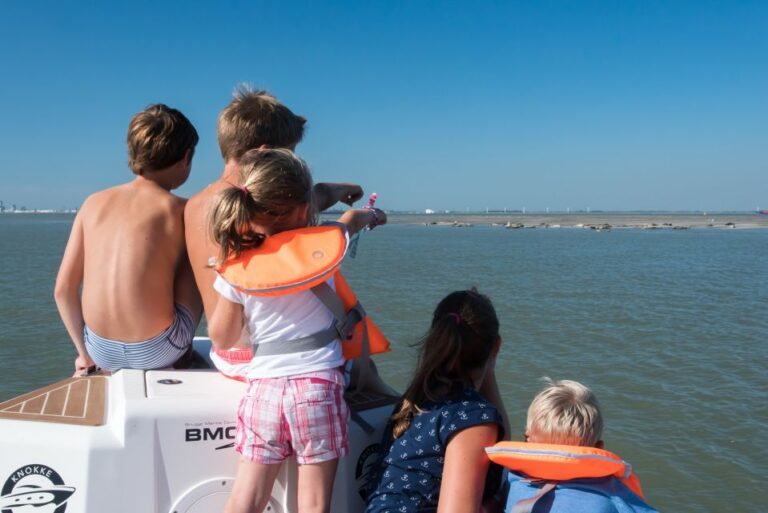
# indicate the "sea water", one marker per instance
pixel 668 327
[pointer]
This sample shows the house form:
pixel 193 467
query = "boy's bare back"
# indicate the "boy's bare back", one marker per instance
pixel 199 245
pixel 133 242
pixel 127 251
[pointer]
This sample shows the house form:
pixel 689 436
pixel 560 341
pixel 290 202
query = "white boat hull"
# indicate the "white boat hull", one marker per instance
pixel 165 445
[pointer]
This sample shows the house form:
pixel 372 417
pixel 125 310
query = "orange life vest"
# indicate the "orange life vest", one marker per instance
pixel 552 462
pixel 304 259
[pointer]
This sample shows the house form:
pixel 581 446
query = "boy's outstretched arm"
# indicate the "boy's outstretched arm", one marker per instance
pixel 67 293
pixel 327 195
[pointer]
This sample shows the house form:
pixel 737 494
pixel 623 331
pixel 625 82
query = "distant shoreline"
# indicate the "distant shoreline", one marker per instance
pixel 518 220
pixel 39 211
pixel 596 221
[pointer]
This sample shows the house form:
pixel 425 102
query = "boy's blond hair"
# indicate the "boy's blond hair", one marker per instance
pixel 565 412
pixel 159 137
pixel 254 118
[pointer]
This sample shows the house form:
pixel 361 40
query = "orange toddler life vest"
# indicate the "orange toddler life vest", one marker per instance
pixel 304 259
pixel 553 462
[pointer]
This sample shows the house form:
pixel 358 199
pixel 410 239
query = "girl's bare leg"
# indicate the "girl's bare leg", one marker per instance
pixel 316 486
pixel 252 488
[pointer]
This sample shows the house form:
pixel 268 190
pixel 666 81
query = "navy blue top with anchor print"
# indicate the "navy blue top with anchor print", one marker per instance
pixel 409 475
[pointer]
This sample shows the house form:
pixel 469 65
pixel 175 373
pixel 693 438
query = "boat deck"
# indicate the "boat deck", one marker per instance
pixel 79 401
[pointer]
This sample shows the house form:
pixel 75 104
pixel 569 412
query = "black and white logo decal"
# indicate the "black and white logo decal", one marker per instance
pixel 210 431
pixel 35 488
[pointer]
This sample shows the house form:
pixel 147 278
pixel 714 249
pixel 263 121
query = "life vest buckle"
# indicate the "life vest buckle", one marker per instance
pixel 346 327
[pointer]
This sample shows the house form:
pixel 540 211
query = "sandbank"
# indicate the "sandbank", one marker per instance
pixel 597 221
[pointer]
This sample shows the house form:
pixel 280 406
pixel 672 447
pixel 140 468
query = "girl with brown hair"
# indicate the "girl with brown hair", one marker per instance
pixel 434 457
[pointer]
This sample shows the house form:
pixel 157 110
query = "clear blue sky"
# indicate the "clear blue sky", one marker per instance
pixel 444 105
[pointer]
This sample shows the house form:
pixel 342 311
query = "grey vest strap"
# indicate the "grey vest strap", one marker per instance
pixel 345 325
pixel 345 321
pixel 342 328
pixel 527 505
pixel 297 345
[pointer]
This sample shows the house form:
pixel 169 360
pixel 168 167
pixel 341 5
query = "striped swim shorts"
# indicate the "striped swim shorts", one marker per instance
pixel 305 415
pixel 160 351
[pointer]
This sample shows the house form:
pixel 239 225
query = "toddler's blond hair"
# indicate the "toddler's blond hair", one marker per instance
pixel 565 412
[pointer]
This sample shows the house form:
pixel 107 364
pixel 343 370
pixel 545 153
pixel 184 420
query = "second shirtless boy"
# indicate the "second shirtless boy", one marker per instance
pixel 253 119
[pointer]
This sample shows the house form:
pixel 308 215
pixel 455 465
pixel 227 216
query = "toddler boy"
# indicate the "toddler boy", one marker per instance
pixel 564 431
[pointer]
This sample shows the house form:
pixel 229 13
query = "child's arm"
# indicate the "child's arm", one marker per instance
pixel 67 293
pixel 358 218
pixel 226 324
pixel 327 195
pixel 465 469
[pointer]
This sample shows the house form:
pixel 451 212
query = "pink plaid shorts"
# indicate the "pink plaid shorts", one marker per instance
pixel 305 415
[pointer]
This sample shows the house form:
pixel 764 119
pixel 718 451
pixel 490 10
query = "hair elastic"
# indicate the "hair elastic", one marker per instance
pixel 244 191
pixel 456 317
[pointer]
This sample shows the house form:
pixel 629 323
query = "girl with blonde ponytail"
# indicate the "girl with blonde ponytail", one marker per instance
pixel 294 403
pixel 275 194
pixel 434 447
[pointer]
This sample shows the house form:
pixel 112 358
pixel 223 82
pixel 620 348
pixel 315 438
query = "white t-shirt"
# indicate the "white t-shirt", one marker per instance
pixel 280 318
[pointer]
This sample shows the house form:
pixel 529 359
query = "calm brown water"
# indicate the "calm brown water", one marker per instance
pixel 668 327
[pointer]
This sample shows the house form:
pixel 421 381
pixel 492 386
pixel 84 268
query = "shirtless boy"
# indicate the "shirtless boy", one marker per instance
pixel 139 305
pixel 253 119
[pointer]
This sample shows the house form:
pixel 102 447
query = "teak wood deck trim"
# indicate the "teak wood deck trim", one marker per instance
pixel 79 401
